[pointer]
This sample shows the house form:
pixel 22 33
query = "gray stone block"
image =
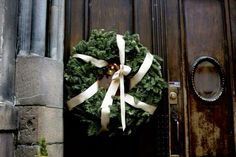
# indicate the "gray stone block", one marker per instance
pixel 7 145
pixel 51 124
pixel 40 121
pixel 55 150
pixel 8 117
pixel 26 151
pixel 39 80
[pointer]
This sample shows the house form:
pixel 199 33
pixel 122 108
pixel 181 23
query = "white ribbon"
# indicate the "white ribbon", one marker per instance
pixel 97 62
pixel 79 99
pixel 88 93
pixel 139 104
pixel 142 70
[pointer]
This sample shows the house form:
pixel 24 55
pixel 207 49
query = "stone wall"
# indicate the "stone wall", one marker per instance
pixel 39 76
pixel 39 91
pixel 8 113
pixel 31 76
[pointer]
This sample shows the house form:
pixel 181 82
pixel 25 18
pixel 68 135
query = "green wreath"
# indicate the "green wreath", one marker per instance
pixel 80 75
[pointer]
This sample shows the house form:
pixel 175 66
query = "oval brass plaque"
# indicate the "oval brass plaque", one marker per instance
pixel 207 78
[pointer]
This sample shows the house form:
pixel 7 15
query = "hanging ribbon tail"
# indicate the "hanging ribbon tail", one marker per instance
pixel 122 102
pixel 107 101
pixel 121 45
pixel 105 119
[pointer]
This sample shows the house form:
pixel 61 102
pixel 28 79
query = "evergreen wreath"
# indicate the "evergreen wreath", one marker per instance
pixel 79 75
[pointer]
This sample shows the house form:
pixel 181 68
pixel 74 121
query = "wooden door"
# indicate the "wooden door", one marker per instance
pixel 181 32
pixel 200 29
pixel 135 16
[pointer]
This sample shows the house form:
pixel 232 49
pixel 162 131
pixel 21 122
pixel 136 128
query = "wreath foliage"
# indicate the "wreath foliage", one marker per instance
pixel 79 75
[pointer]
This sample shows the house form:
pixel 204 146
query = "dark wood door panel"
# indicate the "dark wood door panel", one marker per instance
pixel 173 40
pixel 75 22
pixel 204 29
pixel 134 16
pixel 122 15
pixel 115 14
pixel 208 121
pixel 143 14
